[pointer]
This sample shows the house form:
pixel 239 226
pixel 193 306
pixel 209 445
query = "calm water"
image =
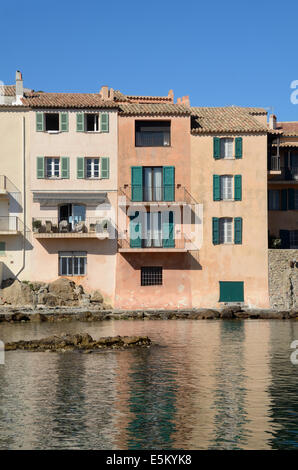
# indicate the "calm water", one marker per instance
pixel 202 385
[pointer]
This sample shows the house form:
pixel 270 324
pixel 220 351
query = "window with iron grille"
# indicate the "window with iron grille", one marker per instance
pixel 151 276
pixel 72 263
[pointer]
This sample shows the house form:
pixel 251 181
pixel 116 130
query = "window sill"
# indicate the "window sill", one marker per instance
pixel 53 132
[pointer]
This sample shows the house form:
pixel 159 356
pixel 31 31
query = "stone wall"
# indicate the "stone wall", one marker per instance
pixel 283 279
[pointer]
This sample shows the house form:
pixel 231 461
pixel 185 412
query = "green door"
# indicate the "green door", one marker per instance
pixel 231 291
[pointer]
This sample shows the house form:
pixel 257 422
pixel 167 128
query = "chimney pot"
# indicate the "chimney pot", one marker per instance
pixel 19 87
pixel 272 121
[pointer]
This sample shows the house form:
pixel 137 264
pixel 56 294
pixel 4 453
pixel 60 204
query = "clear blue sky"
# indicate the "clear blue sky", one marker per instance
pixel 218 52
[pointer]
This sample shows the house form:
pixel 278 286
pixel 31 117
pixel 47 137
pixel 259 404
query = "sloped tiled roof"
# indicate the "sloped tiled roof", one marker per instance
pixel 7 90
pixel 66 100
pixel 226 119
pixel 288 128
pixel 153 109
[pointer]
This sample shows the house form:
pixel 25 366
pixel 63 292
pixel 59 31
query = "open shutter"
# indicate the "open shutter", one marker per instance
pixel 238 230
pixel 216 188
pixel 105 167
pixel 104 122
pixel 238 147
pixel 169 183
pixel 40 167
pixel 2 248
pixel 285 238
pixel 291 199
pixel 135 231
pixel 168 238
pixel 215 230
pixel 80 122
pixel 284 199
pixel 39 122
pixel 65 167
pixel 64 122
pixel 216 147
pixel 137 183
pixel 80 167
pixel 238 187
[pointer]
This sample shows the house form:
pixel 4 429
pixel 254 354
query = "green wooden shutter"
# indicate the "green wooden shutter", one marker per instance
pixel 291 199
pixel 39 122
pixel 238 230
pixel 168 238
pixel 104 122
pixel 238 187
pixel 284 199
pixel 2 248
pixel 284 235
pixel 104 167
pixel 135 231
pixel 231 291
pixel 136 183
pixel 65 167
pixel 169 183
pixel 215 230
pixel 80 167
pixel 80 122
pixel 216 148
pixel 40 167
pixel 64 122
pixel 238 147
pixel 216 188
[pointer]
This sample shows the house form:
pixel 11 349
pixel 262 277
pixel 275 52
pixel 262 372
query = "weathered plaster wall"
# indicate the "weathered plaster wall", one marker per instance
pixel 283 279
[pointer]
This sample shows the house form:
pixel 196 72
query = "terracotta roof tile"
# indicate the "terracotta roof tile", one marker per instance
pixel 154 109
pixel 7 90
pixel 226 119
pixel 66 100
pixel 288 128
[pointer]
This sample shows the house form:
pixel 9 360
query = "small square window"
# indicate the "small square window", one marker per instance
pixel 91 122
pixel 151 276
pixel 52 121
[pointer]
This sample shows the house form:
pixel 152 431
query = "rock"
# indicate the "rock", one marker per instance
pixel 19 317
pixel 49 300
pixel 37 286
pixel 17 294
pixel 208 314
pixel 96 297
pixel 63 288
pixel 38 317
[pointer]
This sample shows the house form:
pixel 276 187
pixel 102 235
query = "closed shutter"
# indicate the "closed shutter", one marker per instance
pixel 39 122
pixel 168 238
pixel 169 183
pixel 80 122
pixel 40 167
pixel 238 187
pixel 105 167
pixel 291 199
pixel 285 238
pixel 104 122
pixel 238 147
pixel 284 199
pixel 65 167
pixel 64 122
pixel 136 183
pixel 231 291
pixel 80 167
pixel 216 188
pixel 135 231
pixel 2 248
pixel 238 230
pixel 216 148
pixel 215 230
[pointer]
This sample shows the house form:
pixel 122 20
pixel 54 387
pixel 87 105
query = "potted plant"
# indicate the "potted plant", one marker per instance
pixel 36 225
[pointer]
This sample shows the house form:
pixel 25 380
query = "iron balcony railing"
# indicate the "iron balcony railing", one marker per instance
pixel 290 173
pixel 10 223
pixel 56 225
pixel 153 243
pixel 153 194
pixel 275 163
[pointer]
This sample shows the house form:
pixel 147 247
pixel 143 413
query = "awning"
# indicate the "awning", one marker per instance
pixel 52 198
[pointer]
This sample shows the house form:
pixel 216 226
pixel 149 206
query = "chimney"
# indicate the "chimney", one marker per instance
pixel 104 92
pixel 111 94
pixel 171 95
pixel 272 121
pixel 185 101
pixel 19 88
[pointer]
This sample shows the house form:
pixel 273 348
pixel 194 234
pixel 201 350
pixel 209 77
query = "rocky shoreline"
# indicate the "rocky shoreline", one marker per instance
pixel 10 314
pixel 78 342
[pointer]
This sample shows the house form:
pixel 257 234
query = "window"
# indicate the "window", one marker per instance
pixel 152 190
pixel 152 234
pixel 73 214
pixel 52 167
pixel 91 124
pixel 152 183
pixel 226 230
pixel 52 121
pixel 274 199
pixel 152 133
pixel 231 291
pixel 226 187
pixel 72 263
pixel 227 148
pixel 92 167
pixel 151 276
pixel 294 239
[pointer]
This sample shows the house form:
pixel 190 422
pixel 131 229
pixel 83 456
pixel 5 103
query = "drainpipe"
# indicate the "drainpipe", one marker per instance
pixel 24 198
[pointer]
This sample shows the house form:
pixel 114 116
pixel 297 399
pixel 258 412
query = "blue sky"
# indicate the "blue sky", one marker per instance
pixel 218 52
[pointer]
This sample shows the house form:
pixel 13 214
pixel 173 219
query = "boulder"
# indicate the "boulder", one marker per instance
pixel 208 314
pixel 37 317
pixel 19 317
pixel 50 300
pixel 96 297
pixel 17 294
pixel 63 288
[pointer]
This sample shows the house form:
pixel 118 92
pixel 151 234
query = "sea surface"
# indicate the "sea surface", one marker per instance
pixel 201 385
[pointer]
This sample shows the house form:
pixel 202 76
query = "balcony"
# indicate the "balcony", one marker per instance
pixel 275 168
pixel 92 227
pixel 166 195
pixel 10 225
pixel 154 246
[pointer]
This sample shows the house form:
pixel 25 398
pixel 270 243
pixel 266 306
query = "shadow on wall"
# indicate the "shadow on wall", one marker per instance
pixel 92 246
pixel 174 261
